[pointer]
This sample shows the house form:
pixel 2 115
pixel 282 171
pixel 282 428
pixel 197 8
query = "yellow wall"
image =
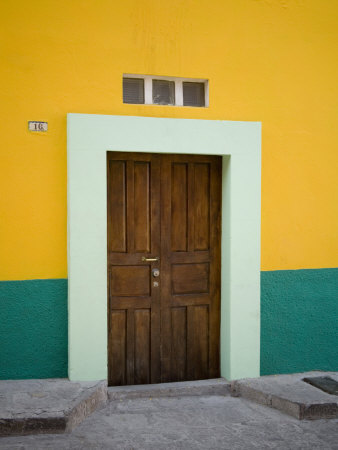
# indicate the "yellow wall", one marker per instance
pixel 273 61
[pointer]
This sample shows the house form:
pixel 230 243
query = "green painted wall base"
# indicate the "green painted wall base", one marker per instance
pixel 299 324
pixel 299 320
pixel 33 329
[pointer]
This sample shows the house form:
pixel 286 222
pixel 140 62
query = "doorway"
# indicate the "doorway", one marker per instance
pixel 89 137
pixel 164 264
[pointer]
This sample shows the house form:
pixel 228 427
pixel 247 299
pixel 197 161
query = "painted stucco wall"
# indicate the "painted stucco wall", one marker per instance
pixel 299 317
pixel 268 61
pixel 33 329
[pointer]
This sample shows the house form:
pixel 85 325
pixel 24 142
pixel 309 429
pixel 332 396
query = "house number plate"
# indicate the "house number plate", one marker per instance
pixel 37 126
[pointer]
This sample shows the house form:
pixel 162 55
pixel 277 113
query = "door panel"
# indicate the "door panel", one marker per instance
pixel 198 342
pixel 117 347
pixel 142 201
pixel 133 233
pixel 190 278
pixel 190 266
pixel 117 239
pixel 165 206
pixel 179 207
pixel 142 346
pixel 122 286
pixel 200 198
pixel 179 343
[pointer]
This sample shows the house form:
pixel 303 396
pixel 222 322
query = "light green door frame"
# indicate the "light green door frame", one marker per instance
pixel 89 138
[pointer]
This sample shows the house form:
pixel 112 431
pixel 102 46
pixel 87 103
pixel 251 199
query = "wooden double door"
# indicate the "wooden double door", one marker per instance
pixel 163 267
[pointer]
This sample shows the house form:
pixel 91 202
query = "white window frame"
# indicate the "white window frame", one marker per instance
pixel 148 88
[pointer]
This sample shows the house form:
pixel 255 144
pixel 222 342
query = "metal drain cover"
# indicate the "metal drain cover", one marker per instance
pixel 326 384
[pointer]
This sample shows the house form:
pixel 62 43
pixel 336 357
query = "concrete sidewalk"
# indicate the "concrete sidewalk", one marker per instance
pixel 207 422
pixel 199 414
pixel 59 405
pixel 47 406
pixel 290 394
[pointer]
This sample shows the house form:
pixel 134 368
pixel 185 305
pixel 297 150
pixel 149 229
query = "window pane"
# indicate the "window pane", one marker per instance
pixel 193 94
pixel 163 92
pixel 133 90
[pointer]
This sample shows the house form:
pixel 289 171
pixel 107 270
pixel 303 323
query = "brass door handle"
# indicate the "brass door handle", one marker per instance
pixel 150 259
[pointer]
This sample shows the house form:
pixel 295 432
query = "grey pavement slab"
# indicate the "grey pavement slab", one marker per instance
pixel 207 422
pixel 45 406
pixel 290 394
pixel 216 386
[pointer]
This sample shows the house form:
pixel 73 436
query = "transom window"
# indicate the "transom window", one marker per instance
pixel 156 90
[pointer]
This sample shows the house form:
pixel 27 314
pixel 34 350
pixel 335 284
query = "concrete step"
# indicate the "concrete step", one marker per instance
pixel 47 406
pixel 290 394
pixel 216 386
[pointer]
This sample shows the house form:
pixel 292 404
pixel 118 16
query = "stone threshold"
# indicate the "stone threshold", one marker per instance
pixel 216 386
